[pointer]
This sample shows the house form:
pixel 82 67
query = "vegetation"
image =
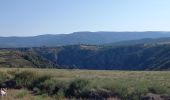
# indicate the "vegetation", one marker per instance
pixel 71 83
pixel 136 57
pixel 12 58
pixel 60 84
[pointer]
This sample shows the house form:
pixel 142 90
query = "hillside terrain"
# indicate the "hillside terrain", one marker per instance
pixel 90 38
pixel 64 84
pixel 138 57
pixel 134 57
pixel 12 58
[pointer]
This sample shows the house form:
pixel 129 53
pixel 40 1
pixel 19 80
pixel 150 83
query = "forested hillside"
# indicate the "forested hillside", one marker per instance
pixel 14 58
pixel 139 57
pixel 136 57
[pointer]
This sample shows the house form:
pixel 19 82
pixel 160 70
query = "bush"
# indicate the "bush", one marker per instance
pixel 21 94
pixel 77 88
pixel 48 86
pixel 38 84
pixel 3 76
pixel 137 93
pixel 58 87
pixel 25 78
pixel 60 95
pixel 157 89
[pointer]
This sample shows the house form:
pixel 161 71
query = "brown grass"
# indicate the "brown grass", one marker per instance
pixel 100 78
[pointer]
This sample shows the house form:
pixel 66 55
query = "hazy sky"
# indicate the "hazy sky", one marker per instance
pixel 34 17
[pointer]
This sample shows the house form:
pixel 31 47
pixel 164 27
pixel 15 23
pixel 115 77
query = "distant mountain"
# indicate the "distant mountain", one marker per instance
pixel 157 41
pixel 91 38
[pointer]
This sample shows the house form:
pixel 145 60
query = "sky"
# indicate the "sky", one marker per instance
pixel 37 17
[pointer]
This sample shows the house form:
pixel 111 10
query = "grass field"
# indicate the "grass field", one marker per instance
pixel 122 84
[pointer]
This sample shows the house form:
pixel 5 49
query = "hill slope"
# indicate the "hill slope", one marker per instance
pixel 14 58
pixel 139 57
pixel 136 57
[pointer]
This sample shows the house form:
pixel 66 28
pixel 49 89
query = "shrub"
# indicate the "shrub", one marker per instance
pixel 48 86
pixel 60 95
pixel 21 94
pixel 157 89
pixel 121 90
pixel 3 76
pixel 38 84
pixel 77 88
pixel 137 93
pixel 25 78
pixel 60 87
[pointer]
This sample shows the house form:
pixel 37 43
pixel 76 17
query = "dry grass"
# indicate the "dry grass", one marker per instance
pixel 67 73
pixel 132 80
pixel 14 94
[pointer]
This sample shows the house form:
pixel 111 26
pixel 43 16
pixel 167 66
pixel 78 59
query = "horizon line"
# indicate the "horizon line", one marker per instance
pixel 83 32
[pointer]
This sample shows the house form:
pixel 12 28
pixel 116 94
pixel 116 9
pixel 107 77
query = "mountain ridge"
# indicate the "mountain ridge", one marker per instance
pixel 91 38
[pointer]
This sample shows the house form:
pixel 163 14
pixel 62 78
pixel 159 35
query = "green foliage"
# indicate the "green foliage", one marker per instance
pixel 119 88
pixel 134 57
pixel 21 95
pixel 157 89
pixel 37 60
pixel 3 77
pixel 60 95
pixel 77 88
pixel 25 78
pixel 38 84
pixel 49 86
pixel 99 85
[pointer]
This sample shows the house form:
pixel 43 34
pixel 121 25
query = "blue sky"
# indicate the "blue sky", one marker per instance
pixel 35 17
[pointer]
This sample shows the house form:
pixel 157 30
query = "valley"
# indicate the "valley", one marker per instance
pixel 133 57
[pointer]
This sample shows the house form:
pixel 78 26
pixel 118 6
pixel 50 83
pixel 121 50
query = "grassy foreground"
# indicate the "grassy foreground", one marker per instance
pixel 96 84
